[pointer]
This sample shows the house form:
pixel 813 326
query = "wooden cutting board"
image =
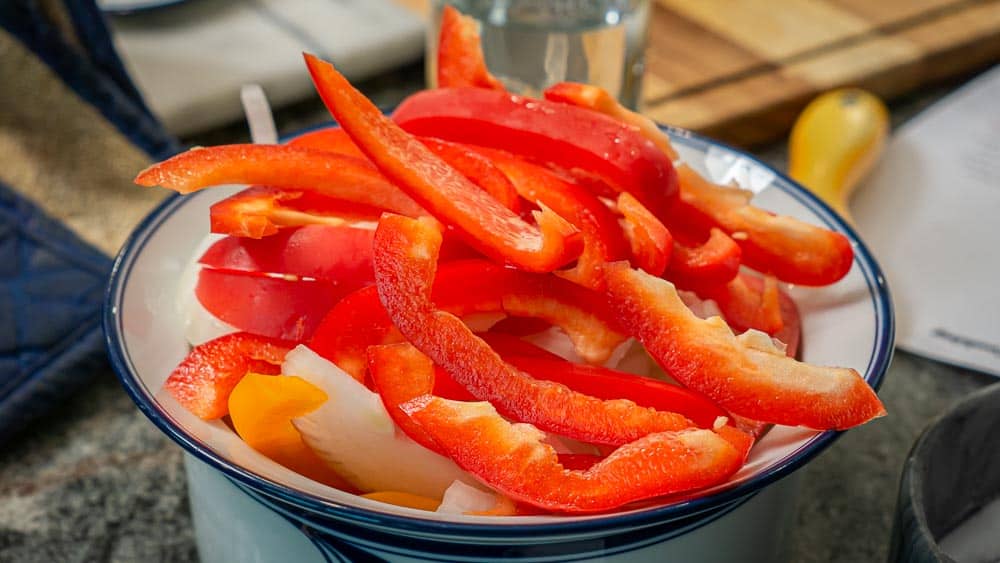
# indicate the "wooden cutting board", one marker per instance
pixel 741 70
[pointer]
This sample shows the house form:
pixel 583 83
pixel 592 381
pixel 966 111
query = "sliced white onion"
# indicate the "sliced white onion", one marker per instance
pixel 460 498
pixel 354 434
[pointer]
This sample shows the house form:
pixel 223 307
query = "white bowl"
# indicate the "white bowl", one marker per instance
pixel 247 507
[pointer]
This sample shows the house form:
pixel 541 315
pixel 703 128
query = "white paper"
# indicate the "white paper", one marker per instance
pixel 190 60
pixel 931 214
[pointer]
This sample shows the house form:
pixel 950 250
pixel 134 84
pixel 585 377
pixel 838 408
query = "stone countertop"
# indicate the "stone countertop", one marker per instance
pixel 96 481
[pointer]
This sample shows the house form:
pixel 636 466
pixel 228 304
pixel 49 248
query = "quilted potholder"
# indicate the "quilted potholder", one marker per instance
pixel 51 288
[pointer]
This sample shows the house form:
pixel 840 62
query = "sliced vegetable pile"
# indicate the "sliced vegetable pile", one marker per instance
pixel 386 284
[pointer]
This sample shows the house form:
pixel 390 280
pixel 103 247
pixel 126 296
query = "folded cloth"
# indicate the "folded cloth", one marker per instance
pixel 191 59
pixel 73 133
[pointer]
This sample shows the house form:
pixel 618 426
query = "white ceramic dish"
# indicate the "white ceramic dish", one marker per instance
pixel 247 507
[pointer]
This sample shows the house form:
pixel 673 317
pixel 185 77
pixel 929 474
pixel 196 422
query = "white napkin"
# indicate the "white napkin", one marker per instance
pixel 931 213
pixel 190 60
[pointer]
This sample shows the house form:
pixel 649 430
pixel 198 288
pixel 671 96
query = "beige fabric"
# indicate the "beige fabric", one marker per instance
pixel 60 152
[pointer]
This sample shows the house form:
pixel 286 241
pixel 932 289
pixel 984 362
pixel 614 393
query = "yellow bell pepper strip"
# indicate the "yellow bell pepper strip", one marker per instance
pixel 512 459
pixel 741 375
pixel 598 99
pixel 408 500
pixel 262 408
pixel 329 174
pixel 203 380
pixel 460 59
pixel 405 261
pixel 792 250
pixel 484 223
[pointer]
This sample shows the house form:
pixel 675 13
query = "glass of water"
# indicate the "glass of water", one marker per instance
pixel 532 44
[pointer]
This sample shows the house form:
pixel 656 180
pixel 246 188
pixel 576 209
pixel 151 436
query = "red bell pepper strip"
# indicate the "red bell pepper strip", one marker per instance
pixel 480 170
pixel 467 287
pixel 483 222
pixel 792 250
pixel 512 459
pixel 603 240
pixel 460 59
pixel 405 260
pixel 475 167
pixel 710 264
pixel 330 139
pixel 598 99
pixel 651 241
pixel 508 345
pixel 609 384
pixel 326 173
pixel 739 374
pixel 573 139
pixel 268 306
pixel 340 255
pixel 261 211
pixel 202 382
pixel 749 305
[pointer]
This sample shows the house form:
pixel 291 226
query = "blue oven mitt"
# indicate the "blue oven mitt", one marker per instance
pixel 73 128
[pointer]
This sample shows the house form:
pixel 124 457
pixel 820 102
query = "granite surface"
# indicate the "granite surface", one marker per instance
pixel 95 481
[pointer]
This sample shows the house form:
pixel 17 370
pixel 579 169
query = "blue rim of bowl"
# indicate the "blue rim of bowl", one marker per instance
pixel 874 375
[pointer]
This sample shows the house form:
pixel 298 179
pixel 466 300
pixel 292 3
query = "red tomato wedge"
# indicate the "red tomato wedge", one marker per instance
pixel 267 306
pixel 205 378
pixel 341 255
pixel 573 139
pixel 460 59
pixel 483 222
pixel 739 374
pixel 512 459
pixel 323 172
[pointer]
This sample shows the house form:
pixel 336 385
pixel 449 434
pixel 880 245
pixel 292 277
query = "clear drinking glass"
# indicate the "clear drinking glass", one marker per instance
pixel 532 44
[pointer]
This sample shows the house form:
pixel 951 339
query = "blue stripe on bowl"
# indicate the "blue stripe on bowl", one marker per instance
pixel 579 530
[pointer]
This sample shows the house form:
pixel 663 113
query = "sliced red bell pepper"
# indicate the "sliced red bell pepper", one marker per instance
pixel 460 60
pixel 261 211
pixel 405 260
pixel 269 306
pixel 651 241
pixel 743 377
pixel 602 235
pixel 202 382
pixel 792 250
pixel 573 139
pixel 468 287
pixel 480 170
pixel 712 263
pixel 747 305
pixel 330 139
pixel 327 173
pixel 512 459
pixel 508 345
pixel 598 99
pixel 609 384
pixel 484 223
pixel 475 167
pixel 341 255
